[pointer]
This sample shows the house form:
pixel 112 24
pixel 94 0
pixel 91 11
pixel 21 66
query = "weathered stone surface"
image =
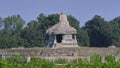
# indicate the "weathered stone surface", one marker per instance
pixel 83 52
pixel 61 34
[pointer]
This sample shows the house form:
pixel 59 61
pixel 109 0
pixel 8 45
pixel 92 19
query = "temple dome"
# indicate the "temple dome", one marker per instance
pixel 62 27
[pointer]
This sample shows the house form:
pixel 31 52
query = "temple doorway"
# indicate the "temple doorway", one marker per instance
pixel 59 38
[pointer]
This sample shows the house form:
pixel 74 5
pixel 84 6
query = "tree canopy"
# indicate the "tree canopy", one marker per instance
pixel 97 32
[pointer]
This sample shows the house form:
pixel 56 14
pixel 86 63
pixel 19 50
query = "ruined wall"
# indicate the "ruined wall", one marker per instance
pixel 82 52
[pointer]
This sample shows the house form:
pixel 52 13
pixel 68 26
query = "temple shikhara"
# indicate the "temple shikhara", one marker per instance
pixel 61 34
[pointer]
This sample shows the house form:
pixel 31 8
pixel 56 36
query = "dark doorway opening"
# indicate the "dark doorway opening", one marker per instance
pixel 73 36
pixel 59 38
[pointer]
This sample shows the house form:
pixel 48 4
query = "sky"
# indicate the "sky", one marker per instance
pixel 83 10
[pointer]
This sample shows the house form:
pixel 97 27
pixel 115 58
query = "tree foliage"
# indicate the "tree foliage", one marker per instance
pixel 13 24
pixel 32 35
pixel 15 32
pixel 95 28
pixel 103 33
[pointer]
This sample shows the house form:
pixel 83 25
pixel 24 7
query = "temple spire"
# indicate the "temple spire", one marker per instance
pixel 63 18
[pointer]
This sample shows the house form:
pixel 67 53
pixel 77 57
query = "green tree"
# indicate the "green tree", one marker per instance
pixel 8 41
pixel 1 23
pixel 13 24
pixel 82 35
pixel 10 32
pixel 46 22
pixel 95 30
pixel 112 31
pixel 83 38
pixel 32 35
pixel 74 22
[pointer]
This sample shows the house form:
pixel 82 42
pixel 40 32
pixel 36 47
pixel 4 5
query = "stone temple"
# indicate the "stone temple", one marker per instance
pixel 61 34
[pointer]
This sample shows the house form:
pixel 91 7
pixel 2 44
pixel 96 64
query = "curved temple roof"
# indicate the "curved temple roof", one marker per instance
pixel 62 27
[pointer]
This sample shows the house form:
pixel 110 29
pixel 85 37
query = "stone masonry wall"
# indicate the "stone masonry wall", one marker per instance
pixel 82 52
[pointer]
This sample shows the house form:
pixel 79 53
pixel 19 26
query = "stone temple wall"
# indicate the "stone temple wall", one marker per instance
pixel 67 53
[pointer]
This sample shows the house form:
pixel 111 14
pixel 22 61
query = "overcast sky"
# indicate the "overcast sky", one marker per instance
pixel 83 10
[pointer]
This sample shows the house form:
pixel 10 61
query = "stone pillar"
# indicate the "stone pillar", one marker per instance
pixel 28 59
pixel 89 58
pixel 55 40
pixel 75 37
pixel 116 58
pixel 3 57
pixel 103 58
pixel 54 45
pixel 63 38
